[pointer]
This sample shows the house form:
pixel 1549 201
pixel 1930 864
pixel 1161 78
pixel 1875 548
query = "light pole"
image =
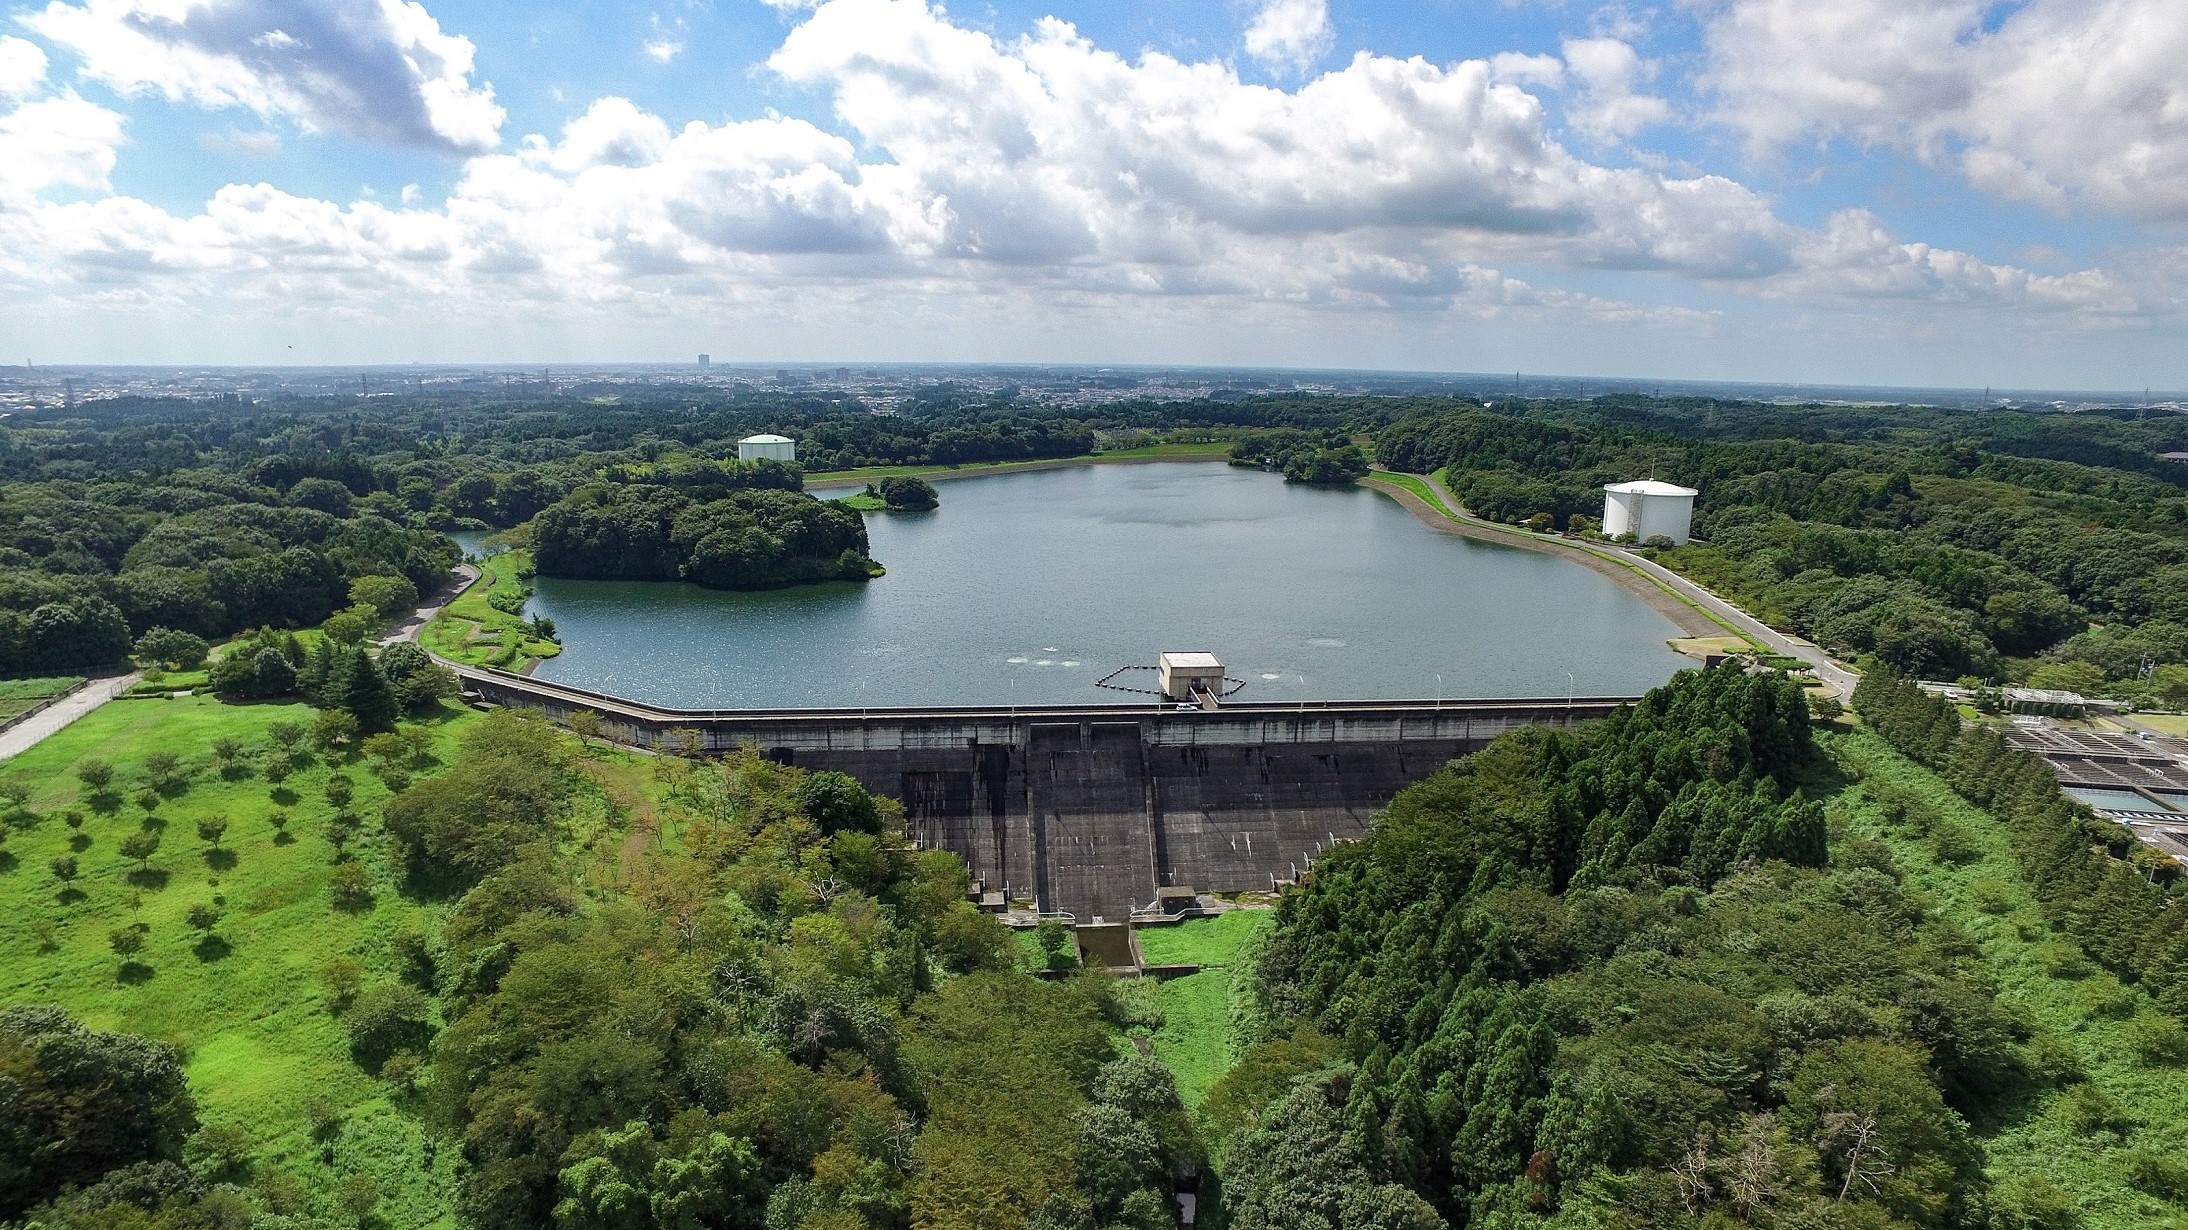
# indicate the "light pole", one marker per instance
pixel 1439 691
pixel 1570 688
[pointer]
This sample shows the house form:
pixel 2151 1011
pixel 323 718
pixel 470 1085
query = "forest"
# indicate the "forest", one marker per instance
pixel 1703 964
pixel 2041 549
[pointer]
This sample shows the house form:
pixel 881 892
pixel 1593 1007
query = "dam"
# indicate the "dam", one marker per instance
pixel 1093 811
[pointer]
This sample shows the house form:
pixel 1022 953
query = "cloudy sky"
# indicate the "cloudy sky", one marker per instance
pixel 1889 191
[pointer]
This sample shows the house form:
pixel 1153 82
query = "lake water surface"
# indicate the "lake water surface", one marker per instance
pixel 1025 588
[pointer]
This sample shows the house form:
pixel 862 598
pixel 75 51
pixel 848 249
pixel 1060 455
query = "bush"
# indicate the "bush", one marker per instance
pixel 385 1019
pixel 2157 1174
pixel 352 887
pixel 2091 1110
pixel 2158 1040
pixel 341 976
pixel 1954 844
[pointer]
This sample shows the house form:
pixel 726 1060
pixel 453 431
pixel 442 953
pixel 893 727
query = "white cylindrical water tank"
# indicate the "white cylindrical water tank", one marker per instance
pixel 1649 509
pixel 770 448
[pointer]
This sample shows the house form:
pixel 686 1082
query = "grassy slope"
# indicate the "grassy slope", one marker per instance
pixel 1195 1039
pixel 254 1025
pixel 19 695
pixel 469 631
pixel 2035 1138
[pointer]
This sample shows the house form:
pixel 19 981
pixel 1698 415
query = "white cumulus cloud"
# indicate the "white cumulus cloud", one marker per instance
pixel 381 70
pixel 2064 103
pixel 1031 180
pixel 1290 33
pixel 22 66
pixel 1611 104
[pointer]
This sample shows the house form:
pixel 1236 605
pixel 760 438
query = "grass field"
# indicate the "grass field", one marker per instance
pixel 1195 1038
pixel 2047 1139
pixel 472 631
pixel 2170 723
pixel 253 1023
pixel 19 695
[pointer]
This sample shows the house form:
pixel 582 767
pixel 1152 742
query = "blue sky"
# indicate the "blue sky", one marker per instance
pixel 1891 191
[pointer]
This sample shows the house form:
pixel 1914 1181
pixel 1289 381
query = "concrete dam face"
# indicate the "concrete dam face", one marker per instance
pixel 1091 812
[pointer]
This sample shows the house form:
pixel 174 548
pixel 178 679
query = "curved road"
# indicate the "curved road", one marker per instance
pixel 1828 669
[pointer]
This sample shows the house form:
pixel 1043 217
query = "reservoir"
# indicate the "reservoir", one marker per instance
pixel 1025 588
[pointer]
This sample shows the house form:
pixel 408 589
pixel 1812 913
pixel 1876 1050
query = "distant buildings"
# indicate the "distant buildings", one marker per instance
pixel 771 448
pixel 1649 509
pixel 706 361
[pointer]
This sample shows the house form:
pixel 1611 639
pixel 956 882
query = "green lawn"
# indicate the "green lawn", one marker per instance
pixel 2039 975
pixel 1195 1038
pixel 471 631
pixel 2170 723
pixel 259 1041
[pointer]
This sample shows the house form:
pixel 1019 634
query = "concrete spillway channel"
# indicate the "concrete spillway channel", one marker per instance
pixel 1090 810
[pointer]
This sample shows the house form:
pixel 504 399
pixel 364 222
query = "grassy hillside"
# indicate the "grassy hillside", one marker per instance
pixel 263 1050
pixel 2087 1143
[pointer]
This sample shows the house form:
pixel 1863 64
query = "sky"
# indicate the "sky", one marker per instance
pixel 1928 192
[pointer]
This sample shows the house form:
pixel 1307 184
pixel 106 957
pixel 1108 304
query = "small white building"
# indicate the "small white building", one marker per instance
pixel 1181 673
pixel 1648 508
pixel 771 448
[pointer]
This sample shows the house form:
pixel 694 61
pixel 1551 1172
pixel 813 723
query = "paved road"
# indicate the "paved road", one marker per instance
pixel 1828 669
pixel 30 732
pixel 460 580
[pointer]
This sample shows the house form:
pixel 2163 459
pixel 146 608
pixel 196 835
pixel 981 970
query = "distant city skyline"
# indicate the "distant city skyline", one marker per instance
pixel 1928 193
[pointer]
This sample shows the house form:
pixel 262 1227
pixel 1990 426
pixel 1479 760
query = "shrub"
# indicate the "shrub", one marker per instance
pixel 2158 1040
pixel 202 917
pixel 333 730
pixel 2091 1110
pixel 341 976
pixel 95 774
pixel 352 886
pixel 2157 1174
pixel 385 1019
pixel 1954 844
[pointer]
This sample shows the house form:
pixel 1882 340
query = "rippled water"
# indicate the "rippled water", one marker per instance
pixel 1025 588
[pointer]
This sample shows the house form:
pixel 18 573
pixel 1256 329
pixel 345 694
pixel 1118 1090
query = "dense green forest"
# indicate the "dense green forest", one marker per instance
pixel 1628 977
pixel 2044 548
pixel 754 538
